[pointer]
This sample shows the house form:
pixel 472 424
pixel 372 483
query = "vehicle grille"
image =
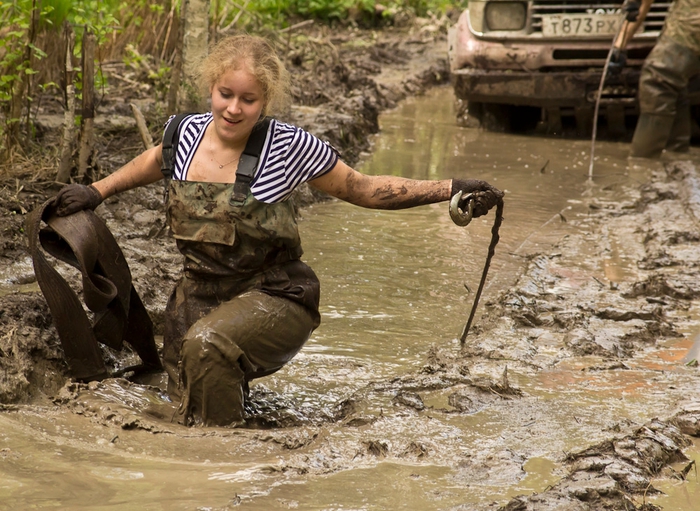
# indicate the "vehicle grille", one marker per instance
pixel 653 22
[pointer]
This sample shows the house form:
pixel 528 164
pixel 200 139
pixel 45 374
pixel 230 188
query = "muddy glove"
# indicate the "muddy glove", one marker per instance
pixel 73 198
pixel 488 196
pixel 631 10
pixel 618 59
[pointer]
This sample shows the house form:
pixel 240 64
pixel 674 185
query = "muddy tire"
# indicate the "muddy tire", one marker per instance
pixel 695 123
pixel 497 117
pixel 487 116
pixel 490 116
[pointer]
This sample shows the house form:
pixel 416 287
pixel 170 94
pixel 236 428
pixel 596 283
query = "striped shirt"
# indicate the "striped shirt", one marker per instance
pixel 290 157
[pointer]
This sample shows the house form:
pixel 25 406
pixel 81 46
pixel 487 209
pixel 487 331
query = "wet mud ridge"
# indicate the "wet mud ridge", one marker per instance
pixel 616 474
pixel 563 309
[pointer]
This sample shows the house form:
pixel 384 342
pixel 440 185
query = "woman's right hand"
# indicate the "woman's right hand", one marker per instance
pixel 75 197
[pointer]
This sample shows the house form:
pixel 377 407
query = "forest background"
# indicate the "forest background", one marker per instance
pixel 61 49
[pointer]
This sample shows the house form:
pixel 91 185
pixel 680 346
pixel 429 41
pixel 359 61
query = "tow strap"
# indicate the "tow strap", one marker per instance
pixel 462 219
pixel 84 241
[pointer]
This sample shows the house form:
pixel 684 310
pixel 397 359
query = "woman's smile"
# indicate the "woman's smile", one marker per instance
pixel 237 102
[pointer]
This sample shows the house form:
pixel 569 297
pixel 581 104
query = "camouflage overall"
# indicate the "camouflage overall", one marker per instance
pixel 245 305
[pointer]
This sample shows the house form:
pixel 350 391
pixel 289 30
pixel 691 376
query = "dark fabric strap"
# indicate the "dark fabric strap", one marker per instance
pixel 253 150
pixel 170 137
pixel 249 159
pixel 84 241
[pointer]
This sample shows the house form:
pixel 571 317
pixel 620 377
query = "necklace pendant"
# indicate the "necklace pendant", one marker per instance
pixel 221 166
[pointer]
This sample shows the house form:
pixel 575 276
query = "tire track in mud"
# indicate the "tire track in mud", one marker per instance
pixel 615 323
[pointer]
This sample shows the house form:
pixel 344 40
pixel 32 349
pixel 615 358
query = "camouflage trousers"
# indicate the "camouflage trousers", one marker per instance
pixel 664 120
pixel 664 78
pixel 213 348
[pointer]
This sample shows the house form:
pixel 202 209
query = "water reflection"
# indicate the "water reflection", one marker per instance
pixel 393 282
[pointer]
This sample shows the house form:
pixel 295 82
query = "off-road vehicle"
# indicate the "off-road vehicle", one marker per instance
pixel 521 64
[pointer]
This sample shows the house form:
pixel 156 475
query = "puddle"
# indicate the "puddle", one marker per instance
pixel 681 494
pixel 20 278
pixel 393 286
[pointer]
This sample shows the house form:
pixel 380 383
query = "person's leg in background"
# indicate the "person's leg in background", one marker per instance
pixel 662 95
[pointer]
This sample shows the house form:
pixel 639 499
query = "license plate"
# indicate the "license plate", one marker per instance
pixel 563 25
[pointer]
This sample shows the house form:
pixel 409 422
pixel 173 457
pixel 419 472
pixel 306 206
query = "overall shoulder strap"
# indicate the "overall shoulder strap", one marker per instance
pixel 170 137
pixel 249 159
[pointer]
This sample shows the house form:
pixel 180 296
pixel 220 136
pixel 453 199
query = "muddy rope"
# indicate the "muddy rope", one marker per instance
pixel 492 250
pixel 596 109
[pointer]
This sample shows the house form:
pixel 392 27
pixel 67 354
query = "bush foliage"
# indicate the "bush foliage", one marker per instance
pixel 32 47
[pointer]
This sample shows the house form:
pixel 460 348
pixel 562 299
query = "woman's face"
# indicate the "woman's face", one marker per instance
pixel 237 102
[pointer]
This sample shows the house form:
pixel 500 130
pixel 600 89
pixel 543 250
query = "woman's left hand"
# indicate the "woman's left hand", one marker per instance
pixel 485 196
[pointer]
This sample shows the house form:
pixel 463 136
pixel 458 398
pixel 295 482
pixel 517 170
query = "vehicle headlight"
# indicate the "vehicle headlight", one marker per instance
pixel 505 15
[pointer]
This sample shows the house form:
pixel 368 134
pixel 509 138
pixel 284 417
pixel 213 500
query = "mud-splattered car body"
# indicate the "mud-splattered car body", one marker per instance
pixel 547 56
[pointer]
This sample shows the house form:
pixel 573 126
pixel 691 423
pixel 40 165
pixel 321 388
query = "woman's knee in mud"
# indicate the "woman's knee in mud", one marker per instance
pixel 212 385
pixel 207 352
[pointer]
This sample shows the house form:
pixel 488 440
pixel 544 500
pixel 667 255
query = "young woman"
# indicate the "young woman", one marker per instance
pixel 246 303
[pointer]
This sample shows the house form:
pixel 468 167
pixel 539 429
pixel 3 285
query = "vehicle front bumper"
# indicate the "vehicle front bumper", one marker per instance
pixel 544 89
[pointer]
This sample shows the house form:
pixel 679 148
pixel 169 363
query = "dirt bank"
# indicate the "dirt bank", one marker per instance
pixel 560 314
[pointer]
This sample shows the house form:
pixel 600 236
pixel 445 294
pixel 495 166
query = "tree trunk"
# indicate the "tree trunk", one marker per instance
pixel 87 138
pixel 31 59
pixel 22 86
pixel 214 24
pixel 194 50
pixel 176 71
pixel 66 163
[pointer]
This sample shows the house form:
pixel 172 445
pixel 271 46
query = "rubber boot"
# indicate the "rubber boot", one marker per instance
pixel 679 138
pixel 651 134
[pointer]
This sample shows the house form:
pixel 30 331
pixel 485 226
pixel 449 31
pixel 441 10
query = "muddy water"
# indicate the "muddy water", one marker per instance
pixel 393 285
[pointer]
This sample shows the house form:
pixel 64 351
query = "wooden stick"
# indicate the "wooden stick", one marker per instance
pixel 222 18
pixel 171 16
pixel 492 249
pixel 241 10
pixel 141 125
pixel 296 25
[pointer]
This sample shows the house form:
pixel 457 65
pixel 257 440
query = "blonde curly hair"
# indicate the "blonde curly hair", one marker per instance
pixel 258 56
